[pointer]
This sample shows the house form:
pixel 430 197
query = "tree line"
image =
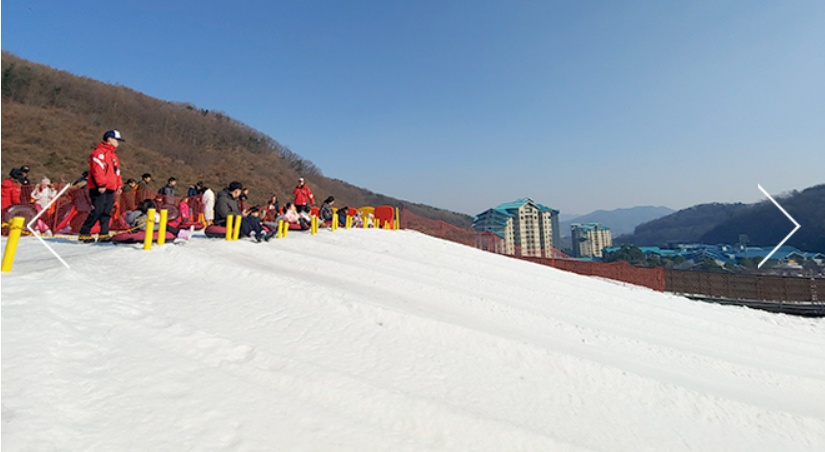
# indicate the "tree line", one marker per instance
pixel 52 118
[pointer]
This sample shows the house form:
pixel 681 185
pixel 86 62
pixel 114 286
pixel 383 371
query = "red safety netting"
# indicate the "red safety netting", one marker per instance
pixel 620 271
pixel 653 278
pixel 67 214
pixel 437 228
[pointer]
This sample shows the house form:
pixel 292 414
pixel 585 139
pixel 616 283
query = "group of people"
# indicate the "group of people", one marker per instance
pixel 103 182
pixel 42 195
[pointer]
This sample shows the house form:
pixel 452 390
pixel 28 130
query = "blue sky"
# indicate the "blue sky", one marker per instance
pixel 580 105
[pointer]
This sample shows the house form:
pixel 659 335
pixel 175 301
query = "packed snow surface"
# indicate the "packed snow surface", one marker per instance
pixel 387 341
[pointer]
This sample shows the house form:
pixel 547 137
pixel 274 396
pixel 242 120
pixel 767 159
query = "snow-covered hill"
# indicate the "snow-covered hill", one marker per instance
pixel 383 340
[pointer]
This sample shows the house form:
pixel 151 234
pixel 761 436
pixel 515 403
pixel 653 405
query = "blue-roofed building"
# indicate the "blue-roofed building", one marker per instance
pixel 499 225
pixel 785 255
pixel 522 227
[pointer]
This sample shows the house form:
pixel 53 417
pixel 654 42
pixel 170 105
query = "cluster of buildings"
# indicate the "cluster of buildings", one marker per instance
pixel 689 256
pixel 526 228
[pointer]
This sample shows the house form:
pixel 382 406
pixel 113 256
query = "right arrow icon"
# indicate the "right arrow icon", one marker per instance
pixel 786 237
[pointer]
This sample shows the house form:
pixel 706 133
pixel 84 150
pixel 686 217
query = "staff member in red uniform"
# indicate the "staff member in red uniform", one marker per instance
pixel 104 181
pixel 303 197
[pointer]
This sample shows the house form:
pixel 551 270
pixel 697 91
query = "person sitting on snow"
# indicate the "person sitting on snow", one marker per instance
pixel 325 212
pixel 251 226
pixel 137 219
pixel 226 203
pixel 292 216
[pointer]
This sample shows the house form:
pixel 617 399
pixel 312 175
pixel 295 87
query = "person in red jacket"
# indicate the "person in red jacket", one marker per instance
pixel 303 197
pixel 11 192
pixel 104 181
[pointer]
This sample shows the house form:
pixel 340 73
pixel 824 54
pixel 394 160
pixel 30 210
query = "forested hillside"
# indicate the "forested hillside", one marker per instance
pixel 762 223
pixel 684 226
pixel 765 225
pixel 52 119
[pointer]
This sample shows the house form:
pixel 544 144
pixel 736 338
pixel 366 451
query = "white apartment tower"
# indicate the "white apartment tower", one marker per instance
pixel 522 228
pixel 590 239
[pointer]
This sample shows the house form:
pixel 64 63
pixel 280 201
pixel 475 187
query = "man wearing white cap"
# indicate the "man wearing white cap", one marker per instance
pixel 303 197
pixel 104 181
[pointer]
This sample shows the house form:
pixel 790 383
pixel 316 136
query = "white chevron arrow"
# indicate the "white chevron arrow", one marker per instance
pixel 786 237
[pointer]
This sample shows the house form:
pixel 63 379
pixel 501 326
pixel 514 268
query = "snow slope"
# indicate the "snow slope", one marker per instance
pixel 385 340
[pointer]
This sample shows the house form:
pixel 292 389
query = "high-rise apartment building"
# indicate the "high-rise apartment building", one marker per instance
pixel 522 228
pixel 590 239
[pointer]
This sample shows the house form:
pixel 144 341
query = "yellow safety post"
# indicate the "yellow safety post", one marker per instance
pixel 229 220
pixel 397 219
pixel 164 216
pixel 15 229
pixel 150 229
pixel 286 228
pixel 335 222
pixel 202 219
pixel 348 222
pixel 314 225
pixel 376 223
pixel 237 231
pixel 280 229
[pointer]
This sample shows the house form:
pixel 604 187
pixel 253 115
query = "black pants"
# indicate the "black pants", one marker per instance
pixel 302 208
pixel 249 225
pixel 102 204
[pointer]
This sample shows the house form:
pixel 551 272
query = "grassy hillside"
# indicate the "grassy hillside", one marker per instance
pixel 51 120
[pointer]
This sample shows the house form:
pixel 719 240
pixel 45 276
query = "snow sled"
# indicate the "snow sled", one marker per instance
pixel 138 237
pixel 214 231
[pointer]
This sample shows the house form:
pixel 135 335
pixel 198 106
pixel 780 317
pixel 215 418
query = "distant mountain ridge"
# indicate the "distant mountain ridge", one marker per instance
pixel 620 221
pixel 762 223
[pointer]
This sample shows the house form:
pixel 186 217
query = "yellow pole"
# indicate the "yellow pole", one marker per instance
pixel 229 219
pixel 335 222
pixel 280 229
pixel 150 229
pixel 348 222
pixel 397 219
pixel 237 231
pixel 15 230
pixel 202 219
pixel 314 225
pixel 376 223
pixel 286 228
pixel 164 216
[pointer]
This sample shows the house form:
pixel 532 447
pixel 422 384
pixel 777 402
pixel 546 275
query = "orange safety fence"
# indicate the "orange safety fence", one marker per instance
pixel 653 278
pixel 619 271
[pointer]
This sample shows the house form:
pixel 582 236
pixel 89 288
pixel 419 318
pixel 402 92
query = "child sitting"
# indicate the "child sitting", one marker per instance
pixel 251 226
pixel 137 219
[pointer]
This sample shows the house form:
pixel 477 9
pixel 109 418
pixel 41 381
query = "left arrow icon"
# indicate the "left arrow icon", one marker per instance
pixel 37 234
